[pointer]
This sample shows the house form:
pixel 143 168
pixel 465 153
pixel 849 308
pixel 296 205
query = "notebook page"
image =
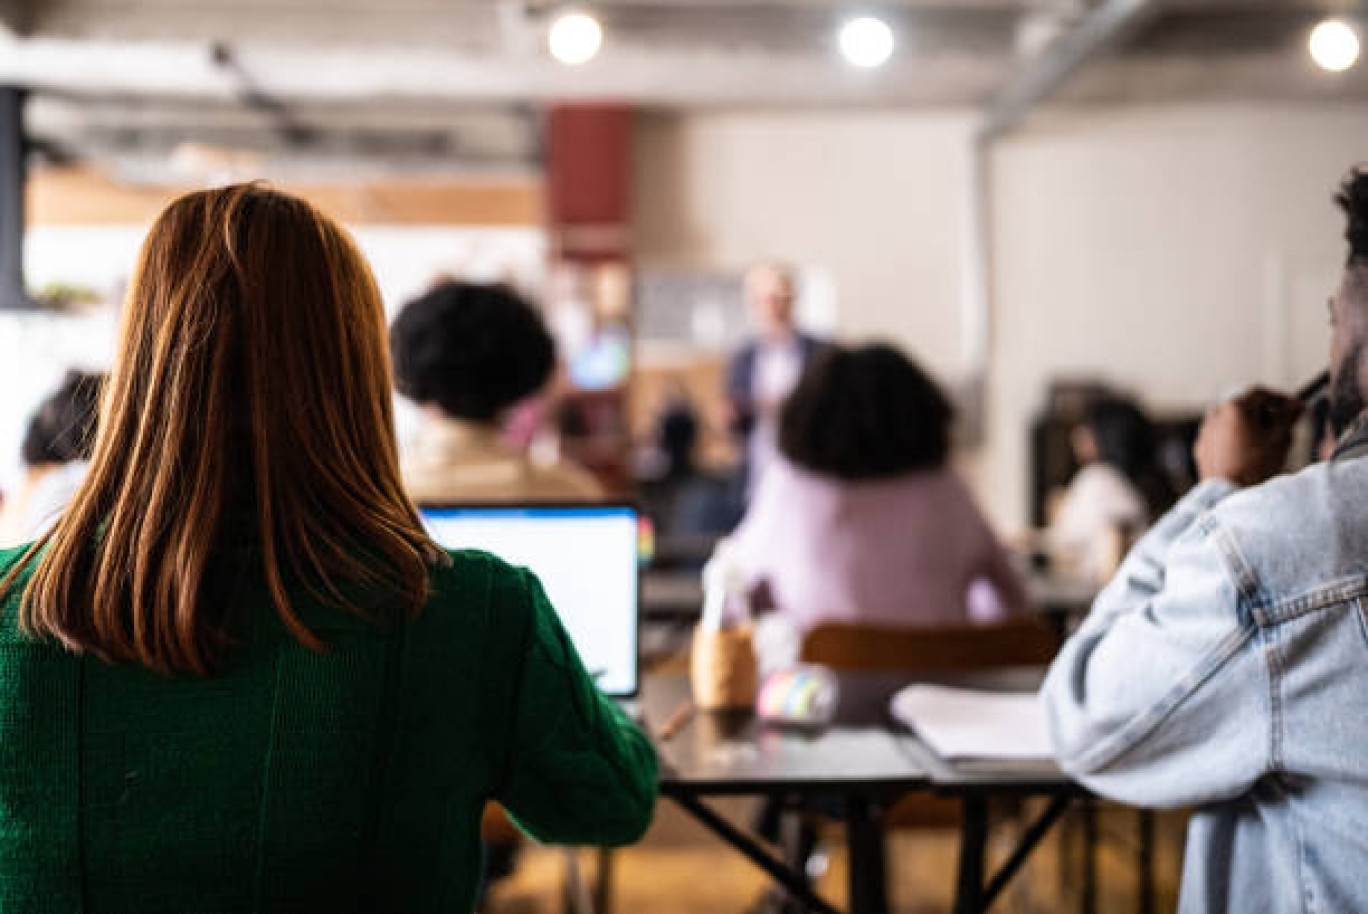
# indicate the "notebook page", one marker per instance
pixel 969 724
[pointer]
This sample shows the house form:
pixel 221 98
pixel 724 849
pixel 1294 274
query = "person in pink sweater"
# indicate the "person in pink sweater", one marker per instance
pixel 861 519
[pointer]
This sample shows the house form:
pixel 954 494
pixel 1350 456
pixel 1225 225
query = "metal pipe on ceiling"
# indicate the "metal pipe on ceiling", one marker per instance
pixel 1098 31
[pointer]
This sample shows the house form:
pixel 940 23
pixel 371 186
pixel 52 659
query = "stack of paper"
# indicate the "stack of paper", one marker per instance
pixel 965 724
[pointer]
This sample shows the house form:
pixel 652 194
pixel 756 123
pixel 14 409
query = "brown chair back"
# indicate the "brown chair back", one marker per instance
pixel 930 649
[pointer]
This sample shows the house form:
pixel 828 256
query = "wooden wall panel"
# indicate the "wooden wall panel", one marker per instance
pixel 88 197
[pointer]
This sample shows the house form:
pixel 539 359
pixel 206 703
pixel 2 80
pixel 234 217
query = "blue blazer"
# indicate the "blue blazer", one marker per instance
pixel 741 379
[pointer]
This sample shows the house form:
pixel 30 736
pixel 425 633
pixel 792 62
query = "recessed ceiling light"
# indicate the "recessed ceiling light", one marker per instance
pixel 866 42
pixel 575 38
pixel 1334 45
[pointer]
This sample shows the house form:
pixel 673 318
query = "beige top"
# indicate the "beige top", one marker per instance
pixel 453 460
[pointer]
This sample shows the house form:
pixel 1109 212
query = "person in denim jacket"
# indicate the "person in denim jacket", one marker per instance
pixel 1226 666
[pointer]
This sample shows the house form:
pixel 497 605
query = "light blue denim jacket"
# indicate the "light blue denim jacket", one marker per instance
pixel 1226 668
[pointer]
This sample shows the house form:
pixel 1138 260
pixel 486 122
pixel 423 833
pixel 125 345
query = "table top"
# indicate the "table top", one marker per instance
pixel 734 752
pixel 865 751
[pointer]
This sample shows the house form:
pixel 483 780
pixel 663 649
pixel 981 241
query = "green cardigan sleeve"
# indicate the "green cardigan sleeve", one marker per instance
pixel 578 771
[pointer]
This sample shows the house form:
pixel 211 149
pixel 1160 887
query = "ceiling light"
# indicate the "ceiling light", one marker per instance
pixel 866 42
pixel 1334 45
pixel 575 38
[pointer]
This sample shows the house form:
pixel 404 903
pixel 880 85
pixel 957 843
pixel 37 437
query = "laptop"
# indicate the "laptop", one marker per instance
pixel 587 557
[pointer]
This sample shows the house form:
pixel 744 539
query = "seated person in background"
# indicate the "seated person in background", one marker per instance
pixel 1226 667
pixel 681 497
pixel 237 676
pixel 55 450
pixel 1119 488
pixel 467 354
pixel 860 519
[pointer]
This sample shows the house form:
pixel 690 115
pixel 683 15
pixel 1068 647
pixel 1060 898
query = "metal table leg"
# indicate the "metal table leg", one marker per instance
pixel 576 896
pixel 1144 861
pixel 972 895
pixel 798 838
pixel 603 886
pixel 1088 902
pixel 794 883
pixel 865 839
pixel 1030 839
pixel 973 840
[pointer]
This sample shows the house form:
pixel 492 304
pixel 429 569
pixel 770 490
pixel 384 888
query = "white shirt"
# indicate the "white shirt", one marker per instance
pixel 1100 500
pixel 778 366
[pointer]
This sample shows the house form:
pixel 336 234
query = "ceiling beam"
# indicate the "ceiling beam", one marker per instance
pixel 648 76
pixel 694 77
pixel 833 5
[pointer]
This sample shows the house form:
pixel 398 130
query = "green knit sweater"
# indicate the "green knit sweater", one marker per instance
pixel 349 781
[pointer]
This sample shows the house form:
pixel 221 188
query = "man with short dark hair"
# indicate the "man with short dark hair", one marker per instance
pixel 1226 666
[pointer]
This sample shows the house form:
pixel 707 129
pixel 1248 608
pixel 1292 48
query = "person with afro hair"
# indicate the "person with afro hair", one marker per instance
pixel 467 354
pixel 861 519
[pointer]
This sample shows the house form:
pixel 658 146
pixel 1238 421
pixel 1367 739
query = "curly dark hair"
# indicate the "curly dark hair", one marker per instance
pixel 63 428
pixel 1353 199
pixel 472 350
pixel 865 412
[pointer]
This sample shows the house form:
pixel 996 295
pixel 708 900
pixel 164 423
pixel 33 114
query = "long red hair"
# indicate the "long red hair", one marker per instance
pixel 250 398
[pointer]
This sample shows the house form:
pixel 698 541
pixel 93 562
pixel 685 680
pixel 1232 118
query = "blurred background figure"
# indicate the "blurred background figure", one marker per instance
pixel 677 434
pixel 860 519
pixel 684 499
pixel 468 354
pixel 767 369
pixel 1119 488
pixel 670 452
pixel 55 452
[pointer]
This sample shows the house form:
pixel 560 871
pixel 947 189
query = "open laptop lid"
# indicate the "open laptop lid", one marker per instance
pixel 587 558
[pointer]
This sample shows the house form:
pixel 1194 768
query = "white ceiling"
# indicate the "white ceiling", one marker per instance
pixel 441 79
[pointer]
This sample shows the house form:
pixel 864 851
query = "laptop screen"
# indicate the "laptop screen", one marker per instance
pixel 586 558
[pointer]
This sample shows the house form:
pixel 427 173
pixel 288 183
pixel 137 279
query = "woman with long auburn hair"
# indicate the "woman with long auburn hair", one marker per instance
pixel 237 675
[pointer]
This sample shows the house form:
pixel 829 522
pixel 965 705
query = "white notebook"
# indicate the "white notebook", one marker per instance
pixel 965 724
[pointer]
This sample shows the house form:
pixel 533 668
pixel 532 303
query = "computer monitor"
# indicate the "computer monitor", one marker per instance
pixel 587 559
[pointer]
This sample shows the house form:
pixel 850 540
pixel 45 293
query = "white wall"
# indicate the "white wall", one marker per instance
pixel 1182 250
pixel 405 258
pixel 869 198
